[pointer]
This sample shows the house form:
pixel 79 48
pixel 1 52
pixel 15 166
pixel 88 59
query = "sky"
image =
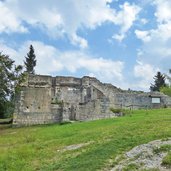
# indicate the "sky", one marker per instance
pixel 117 41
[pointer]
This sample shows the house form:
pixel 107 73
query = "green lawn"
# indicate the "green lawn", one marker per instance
pixel 42 147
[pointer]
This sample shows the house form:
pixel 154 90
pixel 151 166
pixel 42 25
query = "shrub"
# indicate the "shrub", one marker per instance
pixel 166 90
pixel 120 111
pixel 116 110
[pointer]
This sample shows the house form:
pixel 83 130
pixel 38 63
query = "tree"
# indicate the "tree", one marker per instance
pixel 159 81
pixel 169 77
pixel 30 62
pixel 10 77
pixel 167 90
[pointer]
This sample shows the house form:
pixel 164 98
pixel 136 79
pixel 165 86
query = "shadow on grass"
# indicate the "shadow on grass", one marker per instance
pixel 6 121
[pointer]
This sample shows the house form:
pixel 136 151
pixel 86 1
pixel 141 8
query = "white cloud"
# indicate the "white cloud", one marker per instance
pixel 144 21
pixel 102 68
pixel 119 37
pixel 62 17
pixel 156 47
pixel 143 35
pixel 51 60
pixel 8 51
pixel 163 10
pixel 126 18
pixel 145 72
pixel 9 22
pixel 128 15
pixel 75 39
pixel 155 53
pixel 59 18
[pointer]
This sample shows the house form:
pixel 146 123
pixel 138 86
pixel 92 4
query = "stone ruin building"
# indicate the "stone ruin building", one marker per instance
pixel 46 99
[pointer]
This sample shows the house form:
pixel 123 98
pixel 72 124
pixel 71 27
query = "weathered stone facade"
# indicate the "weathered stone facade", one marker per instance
pixel 46 99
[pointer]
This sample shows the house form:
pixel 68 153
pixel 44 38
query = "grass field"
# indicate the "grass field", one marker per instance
pixel 44 147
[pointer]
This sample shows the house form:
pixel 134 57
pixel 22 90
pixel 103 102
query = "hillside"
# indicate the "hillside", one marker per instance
pixel 92 145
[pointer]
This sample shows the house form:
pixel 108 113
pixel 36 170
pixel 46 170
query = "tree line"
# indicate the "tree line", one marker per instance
pixel 11 77
pixel 160 83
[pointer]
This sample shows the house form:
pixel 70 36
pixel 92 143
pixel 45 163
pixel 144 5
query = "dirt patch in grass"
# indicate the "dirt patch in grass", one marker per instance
pixel 76 146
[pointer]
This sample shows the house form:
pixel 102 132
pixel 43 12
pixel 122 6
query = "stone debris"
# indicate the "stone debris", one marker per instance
pixel 145 157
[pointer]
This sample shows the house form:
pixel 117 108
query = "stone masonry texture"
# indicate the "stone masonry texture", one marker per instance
pixel 46 99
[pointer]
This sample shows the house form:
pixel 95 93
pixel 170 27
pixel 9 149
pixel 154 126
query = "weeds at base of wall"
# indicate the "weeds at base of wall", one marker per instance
pixel 121 112
pixel 65 123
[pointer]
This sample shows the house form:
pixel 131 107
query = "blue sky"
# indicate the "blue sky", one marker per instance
pixel 120 42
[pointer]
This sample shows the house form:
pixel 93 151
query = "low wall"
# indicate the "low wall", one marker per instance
pixel 96 109
pixel 27 119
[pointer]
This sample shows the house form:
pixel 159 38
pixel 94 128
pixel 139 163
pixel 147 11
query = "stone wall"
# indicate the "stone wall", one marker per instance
pixel 140 100
pixel 95 109
pixel 46 99
pixel 34 104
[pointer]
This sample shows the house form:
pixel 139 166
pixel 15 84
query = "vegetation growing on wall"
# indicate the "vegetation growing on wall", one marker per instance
pixel 57 101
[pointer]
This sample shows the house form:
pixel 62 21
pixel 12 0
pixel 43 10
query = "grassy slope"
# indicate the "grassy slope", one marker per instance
pixel 40 147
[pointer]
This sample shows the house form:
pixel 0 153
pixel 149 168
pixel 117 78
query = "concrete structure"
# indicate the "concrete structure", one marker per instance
pixel 46 99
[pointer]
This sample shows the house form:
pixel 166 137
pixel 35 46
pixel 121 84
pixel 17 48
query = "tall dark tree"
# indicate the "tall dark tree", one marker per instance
pixel 10 77
pixel 159 81
pixel 30 62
